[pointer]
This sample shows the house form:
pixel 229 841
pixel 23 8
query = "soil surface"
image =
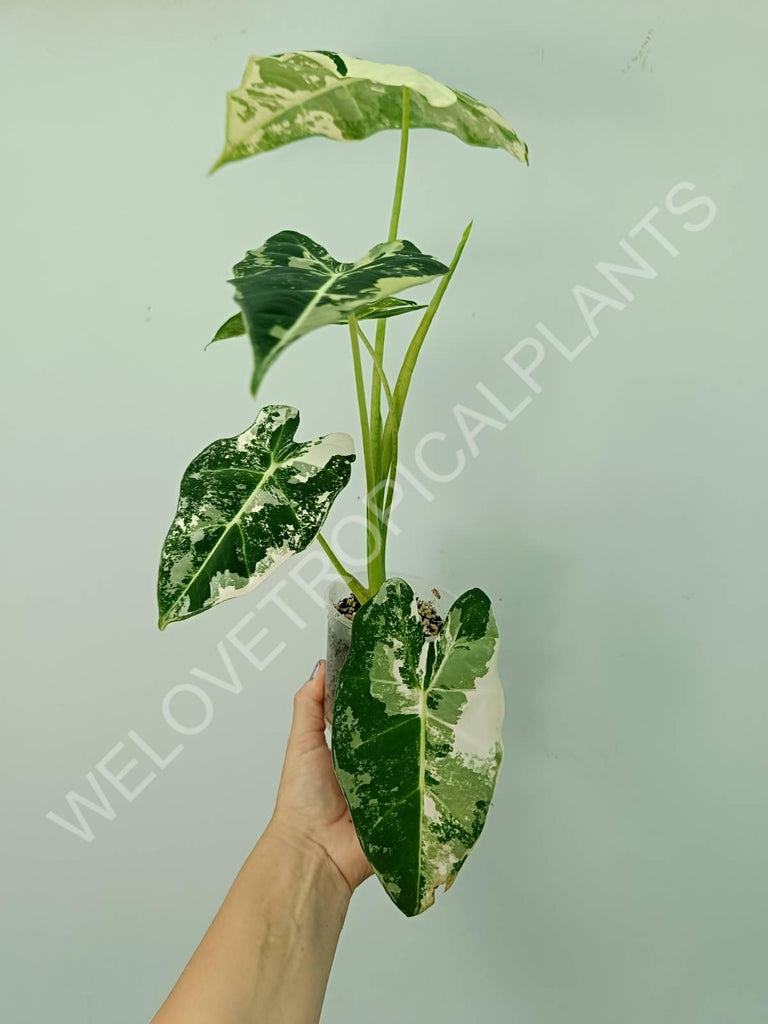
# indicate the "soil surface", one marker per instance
pixel 431 621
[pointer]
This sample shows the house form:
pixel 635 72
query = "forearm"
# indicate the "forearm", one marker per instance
pixel 268 953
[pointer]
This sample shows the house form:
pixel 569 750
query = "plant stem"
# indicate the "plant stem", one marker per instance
pixel 381 326
pixel 376 364
pixel 352 582
pixel 361 402
pixel 397 202
pixel 373 528
pixel 389 484
pixel 412 354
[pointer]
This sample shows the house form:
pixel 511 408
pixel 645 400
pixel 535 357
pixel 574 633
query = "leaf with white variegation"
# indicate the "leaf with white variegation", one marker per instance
pixel 417 738
pixel 381 310
pixel 246 504
pixel 291 286
pixel 294 95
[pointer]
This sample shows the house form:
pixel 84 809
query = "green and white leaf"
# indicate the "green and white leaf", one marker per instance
pixel 381 310
pixel 291 286
pixel 417 738
pixel 291 96
pixel 246 504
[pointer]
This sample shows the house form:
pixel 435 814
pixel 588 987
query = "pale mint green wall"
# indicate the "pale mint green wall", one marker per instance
pixel 619 522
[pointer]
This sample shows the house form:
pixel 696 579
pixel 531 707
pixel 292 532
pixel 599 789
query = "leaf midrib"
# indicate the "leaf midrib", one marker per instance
pixel 292 332
pixel 235 521
pixel 425 713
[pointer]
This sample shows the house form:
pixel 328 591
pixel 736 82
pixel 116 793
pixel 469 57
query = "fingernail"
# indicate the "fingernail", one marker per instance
pixel 316 668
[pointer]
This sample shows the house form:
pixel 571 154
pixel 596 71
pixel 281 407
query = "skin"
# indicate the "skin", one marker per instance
pixel 268 953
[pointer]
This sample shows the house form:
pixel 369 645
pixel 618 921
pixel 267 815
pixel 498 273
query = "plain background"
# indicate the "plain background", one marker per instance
pixel 619 523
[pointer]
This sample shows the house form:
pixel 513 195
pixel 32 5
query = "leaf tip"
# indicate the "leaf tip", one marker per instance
pixel 223 159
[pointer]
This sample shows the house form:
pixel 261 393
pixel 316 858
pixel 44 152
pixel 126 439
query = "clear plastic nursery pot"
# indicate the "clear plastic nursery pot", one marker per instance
pixel 340 627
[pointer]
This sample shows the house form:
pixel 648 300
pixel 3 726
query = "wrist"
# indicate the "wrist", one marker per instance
pixel 308 858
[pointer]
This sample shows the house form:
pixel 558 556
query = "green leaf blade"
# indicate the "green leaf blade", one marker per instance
pixel 381 310
pixel 417 739
pixel 232 328
pixel 246 504
pixel 291 285
pixel 291 96
pixel 385 308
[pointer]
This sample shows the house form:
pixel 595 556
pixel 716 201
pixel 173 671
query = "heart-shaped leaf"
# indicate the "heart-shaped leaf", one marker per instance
pixel 417 738
pixel 291 96
pixel 291 285
pixel 381 310
pixel 246 504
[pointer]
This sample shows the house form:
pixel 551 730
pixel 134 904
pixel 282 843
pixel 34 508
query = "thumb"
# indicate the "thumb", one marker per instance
pixel 308 714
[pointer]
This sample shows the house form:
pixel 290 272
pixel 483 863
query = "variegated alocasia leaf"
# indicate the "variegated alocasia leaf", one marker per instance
pixel 246 504
pixel 291 285
pixel 291 96
pixel 417 738
pixel 384 308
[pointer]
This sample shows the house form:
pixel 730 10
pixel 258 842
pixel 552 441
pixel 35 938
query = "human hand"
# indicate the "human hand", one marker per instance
pixel 269 950
pixel 310 805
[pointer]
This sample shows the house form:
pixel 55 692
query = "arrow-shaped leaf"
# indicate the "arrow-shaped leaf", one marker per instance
pixel 417 738
pixel 246 504
pixel 381 310
pixel 291 285
pixel 291 96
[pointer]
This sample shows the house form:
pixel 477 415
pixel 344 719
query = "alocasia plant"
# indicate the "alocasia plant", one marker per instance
pixel 417 719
